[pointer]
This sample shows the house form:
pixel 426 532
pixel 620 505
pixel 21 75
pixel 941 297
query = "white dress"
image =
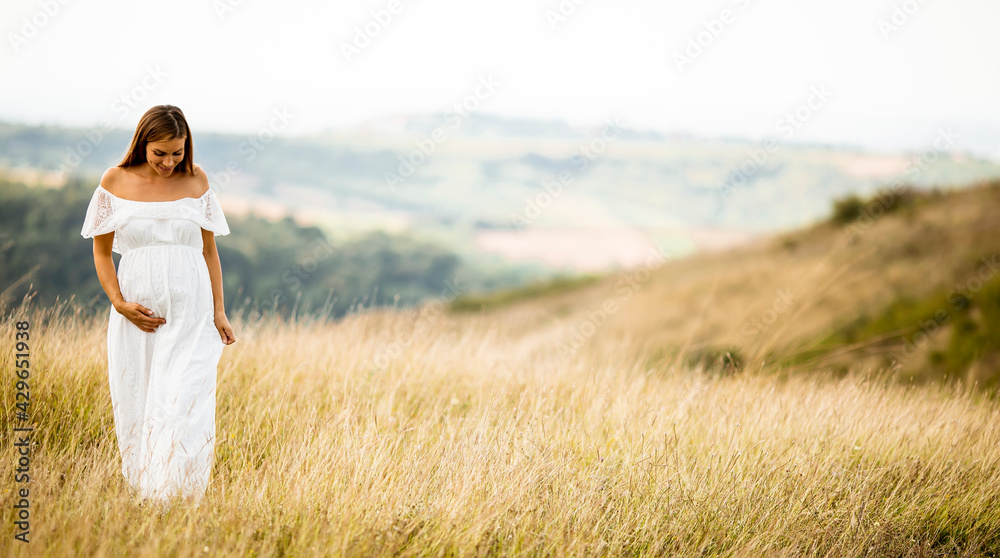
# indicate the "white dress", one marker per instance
pixel 163 383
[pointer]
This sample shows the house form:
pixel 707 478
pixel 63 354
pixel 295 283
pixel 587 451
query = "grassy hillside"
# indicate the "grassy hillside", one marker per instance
pixel 839 293
pixel 407 434
pixel 578 421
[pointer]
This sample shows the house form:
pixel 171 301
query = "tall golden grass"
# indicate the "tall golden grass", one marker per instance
pixel 422 432
pixel 400 434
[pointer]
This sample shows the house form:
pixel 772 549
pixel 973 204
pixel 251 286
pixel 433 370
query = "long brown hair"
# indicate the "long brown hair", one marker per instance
pixel 160 123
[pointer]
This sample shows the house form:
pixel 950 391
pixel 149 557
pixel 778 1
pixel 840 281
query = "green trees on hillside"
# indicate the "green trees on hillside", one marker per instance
pixel 266 265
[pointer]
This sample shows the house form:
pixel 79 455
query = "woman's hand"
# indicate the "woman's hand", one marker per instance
pixel 139 315
pixel 225 330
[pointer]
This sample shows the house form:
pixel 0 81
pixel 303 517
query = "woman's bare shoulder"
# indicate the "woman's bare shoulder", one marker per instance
pixel 200 178
pixel 112 177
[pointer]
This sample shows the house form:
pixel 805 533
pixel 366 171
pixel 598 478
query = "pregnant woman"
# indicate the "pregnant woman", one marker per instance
pixel 168 326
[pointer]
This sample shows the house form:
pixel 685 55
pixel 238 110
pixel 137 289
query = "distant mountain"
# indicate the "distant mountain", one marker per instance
pixel 490 187
pixel 475 125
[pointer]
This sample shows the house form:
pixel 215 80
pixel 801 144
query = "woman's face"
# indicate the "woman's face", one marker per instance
pixel 165 155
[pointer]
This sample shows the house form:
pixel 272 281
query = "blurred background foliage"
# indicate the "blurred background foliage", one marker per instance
pixel 267 264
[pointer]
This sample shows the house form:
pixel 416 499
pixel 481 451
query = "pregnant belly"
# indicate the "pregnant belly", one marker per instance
pixel 172 281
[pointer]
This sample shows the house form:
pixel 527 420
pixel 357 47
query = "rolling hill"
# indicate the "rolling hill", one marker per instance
pixel 911 283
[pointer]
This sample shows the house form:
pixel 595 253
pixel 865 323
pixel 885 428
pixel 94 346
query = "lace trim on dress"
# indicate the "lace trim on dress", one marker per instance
pixel 100 214
pixel 215 219
pixel 107 212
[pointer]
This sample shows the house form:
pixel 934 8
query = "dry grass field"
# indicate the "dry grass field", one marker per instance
pixel 573 424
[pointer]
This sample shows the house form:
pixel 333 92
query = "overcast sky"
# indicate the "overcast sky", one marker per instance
pixel 229 64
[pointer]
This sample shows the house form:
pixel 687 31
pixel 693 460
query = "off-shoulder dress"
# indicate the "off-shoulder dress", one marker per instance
pixel 163 384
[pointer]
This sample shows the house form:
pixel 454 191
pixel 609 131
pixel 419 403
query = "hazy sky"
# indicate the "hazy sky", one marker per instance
pixel 230 63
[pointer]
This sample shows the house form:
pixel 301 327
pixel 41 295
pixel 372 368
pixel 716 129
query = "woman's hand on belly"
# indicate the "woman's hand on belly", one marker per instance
pixel 139 315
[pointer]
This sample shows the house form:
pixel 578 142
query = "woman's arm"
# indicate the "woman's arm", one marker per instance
pixel 139 315
pixel 211 253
